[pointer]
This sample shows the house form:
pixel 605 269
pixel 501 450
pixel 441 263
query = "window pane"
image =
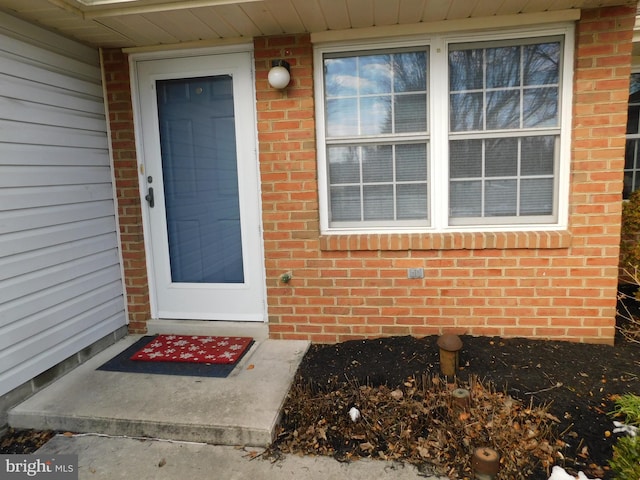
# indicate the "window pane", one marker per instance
pixel 377 164
pixel 367 94
pixel 505 78
pixel 501 157
pixel 632 118
pixel 630 154
pixel 410 72
pixel 344 165
pixel 540 107
pixel 634 85
pixel 375 73
pixel 411 113
pixel 466 112
pixel 345 204
pixel 341 76
pixel 465 70
pixel 503 109
pixel 501 198
pixel 628 184
pixel 503 67
pixel 536 196
pixel 411 162
pixel 504 167
pixel 542 64
pixel 342 117
pixel 375 115
pixel 378 202
pixel 465 199
pixel 412 202
pixel 465 158
pixel 538 155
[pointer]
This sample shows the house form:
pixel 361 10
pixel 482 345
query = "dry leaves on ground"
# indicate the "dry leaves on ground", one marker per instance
pixel 23 441
pixel 420 423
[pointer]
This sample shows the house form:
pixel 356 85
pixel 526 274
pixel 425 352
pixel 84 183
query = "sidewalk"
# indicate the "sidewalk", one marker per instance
pixel 104 458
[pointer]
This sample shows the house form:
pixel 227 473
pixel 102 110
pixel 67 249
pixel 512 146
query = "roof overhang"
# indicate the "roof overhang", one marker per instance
pixel 146 23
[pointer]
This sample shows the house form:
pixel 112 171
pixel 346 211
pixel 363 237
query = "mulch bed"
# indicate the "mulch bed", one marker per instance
pixel 562 392
pixel 23 442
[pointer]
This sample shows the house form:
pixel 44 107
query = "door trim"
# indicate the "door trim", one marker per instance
pixel 136 58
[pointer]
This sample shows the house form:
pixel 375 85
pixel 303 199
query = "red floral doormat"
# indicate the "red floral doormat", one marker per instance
pixel 193 349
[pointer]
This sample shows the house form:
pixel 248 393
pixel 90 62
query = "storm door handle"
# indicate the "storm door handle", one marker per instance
pixel 149 197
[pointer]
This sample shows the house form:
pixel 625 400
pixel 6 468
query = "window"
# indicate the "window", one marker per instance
pixel 504 131
pixel 443 135
pixel 632 162
pixel 377 137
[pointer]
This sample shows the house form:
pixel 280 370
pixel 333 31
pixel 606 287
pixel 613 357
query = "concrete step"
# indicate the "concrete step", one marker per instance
pixel 255 330
pixel 242 409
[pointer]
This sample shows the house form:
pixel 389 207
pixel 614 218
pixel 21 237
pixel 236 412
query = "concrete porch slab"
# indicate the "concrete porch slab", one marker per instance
pixel 242 409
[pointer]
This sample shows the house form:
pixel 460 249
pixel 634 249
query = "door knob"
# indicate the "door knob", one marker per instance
pixel 149 197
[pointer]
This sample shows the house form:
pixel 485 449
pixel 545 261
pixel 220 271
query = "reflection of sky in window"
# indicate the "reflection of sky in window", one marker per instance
pixel 375 74
pixel 361 93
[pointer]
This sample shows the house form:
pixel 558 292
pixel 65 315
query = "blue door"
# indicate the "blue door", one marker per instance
pixel 198 146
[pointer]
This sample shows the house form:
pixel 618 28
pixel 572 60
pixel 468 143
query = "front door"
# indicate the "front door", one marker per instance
pixel 200 183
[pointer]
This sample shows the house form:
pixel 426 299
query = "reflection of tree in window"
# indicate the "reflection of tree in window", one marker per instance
pixel 502 96
pixel 504 87
pixel 370 98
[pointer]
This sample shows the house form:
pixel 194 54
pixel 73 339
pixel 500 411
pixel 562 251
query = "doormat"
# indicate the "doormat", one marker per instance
pixel 193 349
pixel 123 363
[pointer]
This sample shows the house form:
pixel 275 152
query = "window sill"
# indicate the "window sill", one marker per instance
pixel 446 241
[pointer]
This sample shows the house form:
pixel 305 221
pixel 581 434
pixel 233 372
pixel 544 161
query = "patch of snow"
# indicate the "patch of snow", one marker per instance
pixel 559 473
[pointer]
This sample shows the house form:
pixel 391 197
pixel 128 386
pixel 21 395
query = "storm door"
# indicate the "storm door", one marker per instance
pixel 201 187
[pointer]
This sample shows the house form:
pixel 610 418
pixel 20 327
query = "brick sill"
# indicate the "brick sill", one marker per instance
pixel 446 241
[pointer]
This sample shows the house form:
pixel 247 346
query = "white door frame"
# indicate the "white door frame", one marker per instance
pixel 134 59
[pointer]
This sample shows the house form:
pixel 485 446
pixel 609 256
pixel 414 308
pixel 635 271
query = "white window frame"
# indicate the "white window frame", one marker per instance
pixel 438 131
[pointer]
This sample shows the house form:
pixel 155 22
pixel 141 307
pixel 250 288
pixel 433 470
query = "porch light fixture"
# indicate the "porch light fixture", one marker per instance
pixel 280 74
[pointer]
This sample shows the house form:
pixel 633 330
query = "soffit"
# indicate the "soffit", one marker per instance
pixel 141 23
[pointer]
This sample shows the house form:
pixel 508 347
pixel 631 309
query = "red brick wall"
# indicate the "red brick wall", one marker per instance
pixel 536 284
pixel 559 285
pixel 120 109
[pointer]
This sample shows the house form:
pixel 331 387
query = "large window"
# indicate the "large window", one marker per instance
pixel 444 135
pixel 504 131
pixel 377 137
pixel 632 156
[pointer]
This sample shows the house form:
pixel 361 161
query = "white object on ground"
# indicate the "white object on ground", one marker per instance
pixel 623 428
pixel 558 473
pixel 354 413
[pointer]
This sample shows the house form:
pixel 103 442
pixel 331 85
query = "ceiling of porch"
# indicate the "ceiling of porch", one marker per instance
pixel 135 23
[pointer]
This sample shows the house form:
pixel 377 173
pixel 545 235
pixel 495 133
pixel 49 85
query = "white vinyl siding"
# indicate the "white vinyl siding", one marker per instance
pixel 60 275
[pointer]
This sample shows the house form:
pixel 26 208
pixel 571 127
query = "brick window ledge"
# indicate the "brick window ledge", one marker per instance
pixel 446 241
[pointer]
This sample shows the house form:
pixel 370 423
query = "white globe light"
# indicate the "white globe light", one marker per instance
pixel 279 77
